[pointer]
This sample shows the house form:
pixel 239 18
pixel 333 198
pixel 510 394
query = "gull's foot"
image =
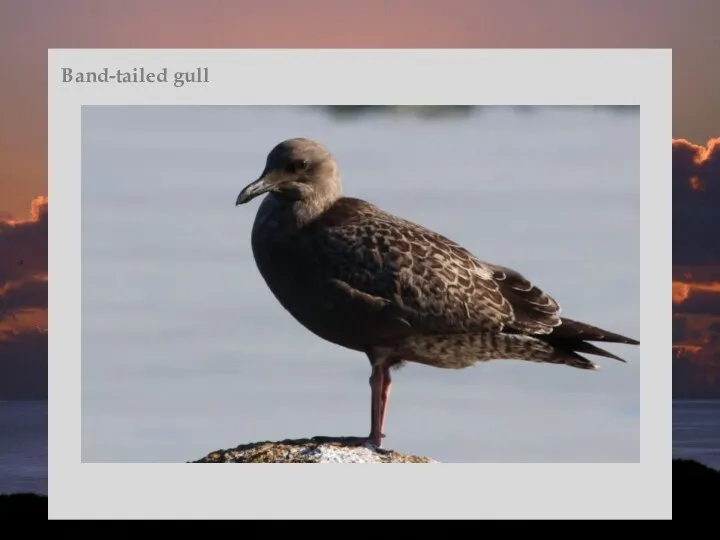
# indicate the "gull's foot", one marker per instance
pixel 376 443
pixel 375 440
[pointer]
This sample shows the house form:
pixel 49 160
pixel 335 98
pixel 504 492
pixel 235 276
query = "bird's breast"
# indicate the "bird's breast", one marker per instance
pixel 283 256
pixel 294 267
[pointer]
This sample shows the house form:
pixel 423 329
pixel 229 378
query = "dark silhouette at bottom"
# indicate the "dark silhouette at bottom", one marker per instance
pixel 22 504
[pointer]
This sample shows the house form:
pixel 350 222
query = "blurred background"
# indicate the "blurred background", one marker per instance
pixel 186 351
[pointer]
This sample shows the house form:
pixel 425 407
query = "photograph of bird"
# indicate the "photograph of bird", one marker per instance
pixel 364 279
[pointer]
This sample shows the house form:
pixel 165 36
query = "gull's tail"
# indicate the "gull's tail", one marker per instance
pixel 571 338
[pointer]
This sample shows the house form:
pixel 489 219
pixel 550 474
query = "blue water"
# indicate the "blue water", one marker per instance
pixel 696 431
pixel 23 446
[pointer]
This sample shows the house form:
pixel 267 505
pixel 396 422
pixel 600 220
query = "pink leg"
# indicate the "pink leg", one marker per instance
pixel 386 387
pixel 380 383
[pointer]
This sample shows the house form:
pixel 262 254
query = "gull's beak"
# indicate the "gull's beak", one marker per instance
pixel 258 187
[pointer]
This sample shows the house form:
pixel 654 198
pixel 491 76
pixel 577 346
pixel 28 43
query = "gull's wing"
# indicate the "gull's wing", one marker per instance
pixel 421 277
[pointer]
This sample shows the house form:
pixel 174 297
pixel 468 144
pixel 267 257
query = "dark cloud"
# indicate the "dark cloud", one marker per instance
pixel 696 202
pixel 700 302
pixel 679 330
pixel 696 274
pixel 23 289
pixel 24 261
pixel 694 373
pixel 30 294
pixel 23 364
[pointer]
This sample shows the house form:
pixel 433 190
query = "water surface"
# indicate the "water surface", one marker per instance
pixel 23 447
pixel 696 431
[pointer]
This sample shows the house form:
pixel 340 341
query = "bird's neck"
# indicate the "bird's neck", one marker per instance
pixel 291 214
pixel 305 211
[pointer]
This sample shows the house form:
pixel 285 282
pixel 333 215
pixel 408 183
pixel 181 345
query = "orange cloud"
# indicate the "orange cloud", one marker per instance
pixel 681 291
pixel 696 202
pixel 682 350
pixel 706 287
pixel 702 158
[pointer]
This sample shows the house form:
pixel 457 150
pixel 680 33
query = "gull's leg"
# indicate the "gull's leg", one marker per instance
pixel 377 385
pixel 385 388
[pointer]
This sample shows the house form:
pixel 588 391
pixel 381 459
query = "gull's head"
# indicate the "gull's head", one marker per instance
pixel 296 169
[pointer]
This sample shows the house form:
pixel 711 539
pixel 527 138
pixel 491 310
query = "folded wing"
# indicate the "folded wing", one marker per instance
pixel 425 279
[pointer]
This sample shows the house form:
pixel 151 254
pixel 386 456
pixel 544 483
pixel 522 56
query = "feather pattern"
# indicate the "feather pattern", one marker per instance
pixel 426 279
pixel 368 280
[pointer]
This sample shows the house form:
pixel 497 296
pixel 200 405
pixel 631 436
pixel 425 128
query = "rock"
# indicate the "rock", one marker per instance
pixel 313 450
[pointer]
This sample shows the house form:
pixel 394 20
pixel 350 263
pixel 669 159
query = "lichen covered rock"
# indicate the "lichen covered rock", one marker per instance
pixel 313 450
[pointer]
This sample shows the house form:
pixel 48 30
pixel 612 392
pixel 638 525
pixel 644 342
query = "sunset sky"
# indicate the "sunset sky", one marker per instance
pixel 29 27
pixel 696 269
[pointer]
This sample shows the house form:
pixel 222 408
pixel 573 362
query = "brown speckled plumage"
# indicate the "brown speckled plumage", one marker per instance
pixel 367 280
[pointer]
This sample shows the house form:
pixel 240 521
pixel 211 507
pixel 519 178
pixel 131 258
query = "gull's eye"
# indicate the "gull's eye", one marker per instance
pixel 297 165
